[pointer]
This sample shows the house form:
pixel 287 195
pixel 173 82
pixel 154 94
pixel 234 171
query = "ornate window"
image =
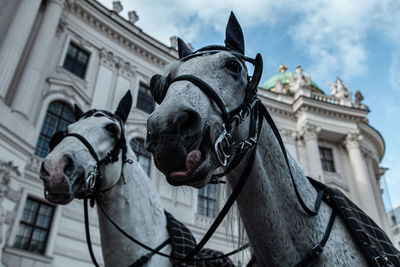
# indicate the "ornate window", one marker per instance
pixel 207 200
pixel 326 156
pixel 143 155
pixel 59 115
pixel 145 101
pixel 34 226
pixel 76 60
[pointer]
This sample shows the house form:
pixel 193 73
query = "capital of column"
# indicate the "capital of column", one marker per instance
pixel 107 58
pixel 352 140
pixel 59 2
pixel 288 136
pixel 310 131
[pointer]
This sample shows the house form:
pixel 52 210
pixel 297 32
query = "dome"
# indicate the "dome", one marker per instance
pixel 285 78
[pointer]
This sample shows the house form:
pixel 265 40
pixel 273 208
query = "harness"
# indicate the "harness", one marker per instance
pixel 230 153
pixel 89 190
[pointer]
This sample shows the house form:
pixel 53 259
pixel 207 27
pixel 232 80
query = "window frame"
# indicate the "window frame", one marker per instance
pixel 143 102
pixel 75 61
pixel 140 154
pixel 207 198
pixel 59 119
pixel 34 226
pixel 325 161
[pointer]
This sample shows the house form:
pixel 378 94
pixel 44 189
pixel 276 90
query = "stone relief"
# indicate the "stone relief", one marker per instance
pixel 6 170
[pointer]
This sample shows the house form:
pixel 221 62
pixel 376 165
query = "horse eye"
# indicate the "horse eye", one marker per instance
pixel 233 66
pixel 112 128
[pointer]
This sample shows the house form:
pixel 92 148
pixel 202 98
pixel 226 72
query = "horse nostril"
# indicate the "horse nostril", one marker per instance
pixel 69 164
pixel 44 174
pixel 186 120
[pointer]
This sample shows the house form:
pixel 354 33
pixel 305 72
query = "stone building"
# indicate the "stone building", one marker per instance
pixel 54 53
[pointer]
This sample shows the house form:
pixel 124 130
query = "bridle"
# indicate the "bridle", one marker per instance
pixel 230 152
pixel 90 190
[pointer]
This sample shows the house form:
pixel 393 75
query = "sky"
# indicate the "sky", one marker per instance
pixel 357 40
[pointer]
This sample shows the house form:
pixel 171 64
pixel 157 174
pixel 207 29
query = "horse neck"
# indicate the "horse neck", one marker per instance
pixel 136 207
pixel 268 204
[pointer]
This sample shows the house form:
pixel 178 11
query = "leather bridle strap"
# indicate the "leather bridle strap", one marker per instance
pixel 318 201
pixel 155 251
pixel 238 188
pixel 317 249
pixel 207 90
pixel 87 232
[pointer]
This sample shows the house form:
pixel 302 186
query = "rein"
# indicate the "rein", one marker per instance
pixel 225 147
pixel 90 191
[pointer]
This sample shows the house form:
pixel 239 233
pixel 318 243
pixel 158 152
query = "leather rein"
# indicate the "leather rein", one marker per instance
pixel 225 147
pixel 89 190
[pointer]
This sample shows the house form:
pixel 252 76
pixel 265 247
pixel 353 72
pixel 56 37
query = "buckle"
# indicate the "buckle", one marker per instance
pixel 382 260
pixel 90 181
pixel 317 249
pixel 248 144
pixel 220 146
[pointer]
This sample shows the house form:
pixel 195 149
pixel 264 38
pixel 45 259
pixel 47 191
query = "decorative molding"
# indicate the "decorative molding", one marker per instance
pixel 352 140
pixel 62 25
pixel 69 95
pixel 288 135
pixel 310 131
pixel 95 22
pixel 306 108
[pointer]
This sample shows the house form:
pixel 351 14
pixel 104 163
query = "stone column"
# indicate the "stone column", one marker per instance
pixel 29 88
pixel 310 134
pixel 15 41
pixel 360 174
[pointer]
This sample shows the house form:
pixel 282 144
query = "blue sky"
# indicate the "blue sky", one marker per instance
pixel 357 40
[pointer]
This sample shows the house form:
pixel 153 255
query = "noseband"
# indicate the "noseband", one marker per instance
pixel 225 146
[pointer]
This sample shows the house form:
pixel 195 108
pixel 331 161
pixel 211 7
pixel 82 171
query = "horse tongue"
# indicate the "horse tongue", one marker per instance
pixel 193 160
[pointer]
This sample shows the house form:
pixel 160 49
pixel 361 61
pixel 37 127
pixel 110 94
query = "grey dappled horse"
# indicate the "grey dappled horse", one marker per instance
pixel 128 195
pixel 181 136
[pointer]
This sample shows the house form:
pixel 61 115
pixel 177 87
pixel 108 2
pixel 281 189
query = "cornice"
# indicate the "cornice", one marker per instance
pixel 83 13
pixel 374 137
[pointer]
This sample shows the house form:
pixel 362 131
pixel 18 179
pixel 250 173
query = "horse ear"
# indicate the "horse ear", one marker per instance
pixel 78 112
pixel 234 35
pixel 124 106
pixel 183 49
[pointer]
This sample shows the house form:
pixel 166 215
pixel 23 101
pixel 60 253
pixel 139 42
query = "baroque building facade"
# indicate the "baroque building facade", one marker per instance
pixel 54 53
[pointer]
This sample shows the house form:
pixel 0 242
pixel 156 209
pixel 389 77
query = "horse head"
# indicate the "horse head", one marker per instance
pixel 199 96
pixel 88 157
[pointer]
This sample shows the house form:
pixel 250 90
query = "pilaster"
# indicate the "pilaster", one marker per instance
pixel 15 41
pixel 360 174
pixel 310 135
pixel 29 89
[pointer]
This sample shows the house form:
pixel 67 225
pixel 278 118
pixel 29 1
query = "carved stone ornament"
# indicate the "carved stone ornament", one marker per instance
pixel 310 131
pixel 353 140
pixel 117 6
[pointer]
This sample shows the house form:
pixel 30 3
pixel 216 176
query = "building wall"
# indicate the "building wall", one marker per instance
pixel 121 58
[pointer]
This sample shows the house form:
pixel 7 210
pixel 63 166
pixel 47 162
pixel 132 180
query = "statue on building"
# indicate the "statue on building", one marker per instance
pixel 339 90
pixel 358 99
pixel 299 81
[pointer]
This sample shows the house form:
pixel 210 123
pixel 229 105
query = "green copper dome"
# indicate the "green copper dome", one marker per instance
pixel 284 78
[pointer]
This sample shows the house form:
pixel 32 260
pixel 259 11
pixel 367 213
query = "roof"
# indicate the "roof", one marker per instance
pixel 284 77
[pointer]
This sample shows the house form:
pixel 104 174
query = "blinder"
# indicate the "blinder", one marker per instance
pixel 159 85
pixel 56 139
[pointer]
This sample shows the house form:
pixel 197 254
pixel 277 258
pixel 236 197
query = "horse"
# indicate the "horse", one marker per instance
pixel 127 194
pixel 92 160
pixel 201 113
